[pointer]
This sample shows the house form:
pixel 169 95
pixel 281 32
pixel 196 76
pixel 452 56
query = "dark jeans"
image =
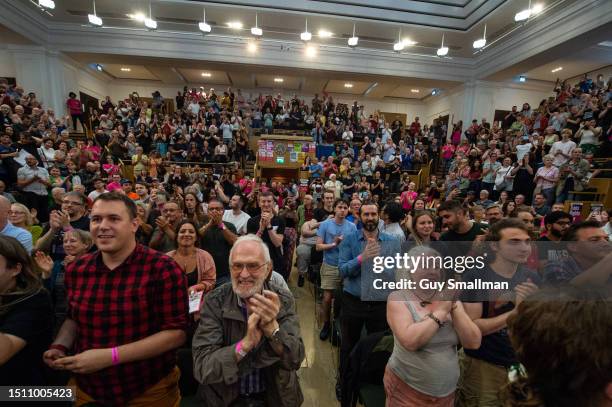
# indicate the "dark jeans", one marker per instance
pixel 354 315
pixel 78 117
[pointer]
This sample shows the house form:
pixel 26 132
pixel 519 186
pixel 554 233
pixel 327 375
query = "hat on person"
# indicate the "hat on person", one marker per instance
pixel 125 181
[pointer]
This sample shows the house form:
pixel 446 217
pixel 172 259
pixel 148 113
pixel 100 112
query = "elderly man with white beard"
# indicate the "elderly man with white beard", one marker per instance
pixel 247 347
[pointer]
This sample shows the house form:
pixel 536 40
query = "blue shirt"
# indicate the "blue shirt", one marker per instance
pixel 23 236
pixel 316 170
pixel 327 231
pixel 350 267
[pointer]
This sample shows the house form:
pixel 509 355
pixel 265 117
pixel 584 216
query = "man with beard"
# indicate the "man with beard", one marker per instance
pixel 247 347
pixel 235 215
pixel 455 217
pixel 270 228
pixel 484 370
pixel 357 311
pixel 218 238
pixel 556 224
pixel 163 237
pixel 588 260
pixel 493 213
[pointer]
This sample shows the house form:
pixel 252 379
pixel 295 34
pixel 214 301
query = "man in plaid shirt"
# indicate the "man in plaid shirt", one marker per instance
pixel 128 312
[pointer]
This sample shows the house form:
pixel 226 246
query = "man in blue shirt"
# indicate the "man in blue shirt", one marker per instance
pixel 329 236
pixel 358 309
pixel 316 169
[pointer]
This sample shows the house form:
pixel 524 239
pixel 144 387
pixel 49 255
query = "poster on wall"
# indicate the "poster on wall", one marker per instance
pixel 293 157
pixel 297 147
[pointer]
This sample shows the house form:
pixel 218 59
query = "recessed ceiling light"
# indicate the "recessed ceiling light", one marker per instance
pixel 279 80
pixel 414 90
pixel 235 25
pixel 206 74
pixel 557 69
pixel 325 34
pixel 310 51
pixel 50 4
pixel 138 17
pixel 348 85
pixel 123 69
pixel 252 47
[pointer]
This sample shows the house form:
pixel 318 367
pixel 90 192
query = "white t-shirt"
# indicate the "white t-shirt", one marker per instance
pixel 240 221
pixel 565 148
pixel 522 149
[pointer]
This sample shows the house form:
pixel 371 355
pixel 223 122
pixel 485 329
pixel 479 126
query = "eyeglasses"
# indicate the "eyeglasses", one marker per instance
pixel 71 203
pixel 251 267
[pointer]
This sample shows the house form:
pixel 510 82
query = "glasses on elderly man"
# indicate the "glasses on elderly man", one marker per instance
pixel 251 267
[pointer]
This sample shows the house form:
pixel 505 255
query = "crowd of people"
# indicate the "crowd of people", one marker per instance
pixel 142 288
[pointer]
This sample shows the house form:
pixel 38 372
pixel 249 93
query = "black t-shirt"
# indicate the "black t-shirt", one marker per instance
pixel 346 181
pixel 321 214
pixel 495 347
pixel 452 236
pixel 31 320
pixel 215 244
pixel 278 226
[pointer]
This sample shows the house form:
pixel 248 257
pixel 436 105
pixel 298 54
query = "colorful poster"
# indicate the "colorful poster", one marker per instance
pixel 305 147
pixel 293 157
pixel 297 147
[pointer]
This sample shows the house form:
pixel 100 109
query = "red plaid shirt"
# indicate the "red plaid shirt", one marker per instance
pixel 144 295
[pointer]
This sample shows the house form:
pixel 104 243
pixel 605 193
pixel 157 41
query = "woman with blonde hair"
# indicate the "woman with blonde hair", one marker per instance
pixel 77 242
pixel 25 318
pixel 20 216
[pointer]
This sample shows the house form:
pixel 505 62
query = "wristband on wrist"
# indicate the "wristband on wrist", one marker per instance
pixel 115 355
pixel 239 349
pixel 59 347
pixel 68 228
pixel 221 226
pixel 359 259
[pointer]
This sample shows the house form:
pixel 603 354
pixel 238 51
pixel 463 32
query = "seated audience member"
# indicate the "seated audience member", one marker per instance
pixel 26 318
pixel 423 369
pixel 121 351
pixel 484 370
pixel 588 260
pixel 562 339
pixel 247 347
pixel 8 229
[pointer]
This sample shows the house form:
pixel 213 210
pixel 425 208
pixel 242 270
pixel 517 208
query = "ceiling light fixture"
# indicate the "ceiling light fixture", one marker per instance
pixel 99 68
pixel 93 18
pixel 306 36
pixel 235 25
pixel 442 51
pixel 149 22
pixel 256 31
pixel 325 34
pixel 138 17
pixel 310 51
pixel 279 80
pixel 206 74
pixel 434 92
pixel 348 85
pixel 522 78
pixel 50 4
pixel 528 12
pixel 399 45
pixel 479 43
pixel 252 47
pixel 414 90
pixel 557 69
pixel 352 42
pixel 203 25
pixel 123 69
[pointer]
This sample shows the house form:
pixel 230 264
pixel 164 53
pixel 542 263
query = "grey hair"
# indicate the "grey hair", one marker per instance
pixel 548 157
pixel 251 238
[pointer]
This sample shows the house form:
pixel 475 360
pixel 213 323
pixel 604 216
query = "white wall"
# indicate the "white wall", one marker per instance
pixel 7 65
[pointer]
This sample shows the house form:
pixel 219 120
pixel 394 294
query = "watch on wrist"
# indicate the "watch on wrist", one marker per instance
pixel 275 337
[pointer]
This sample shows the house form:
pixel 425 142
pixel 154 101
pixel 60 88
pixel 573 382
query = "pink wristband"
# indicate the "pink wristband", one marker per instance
pixel 115 355
pixel 359 259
